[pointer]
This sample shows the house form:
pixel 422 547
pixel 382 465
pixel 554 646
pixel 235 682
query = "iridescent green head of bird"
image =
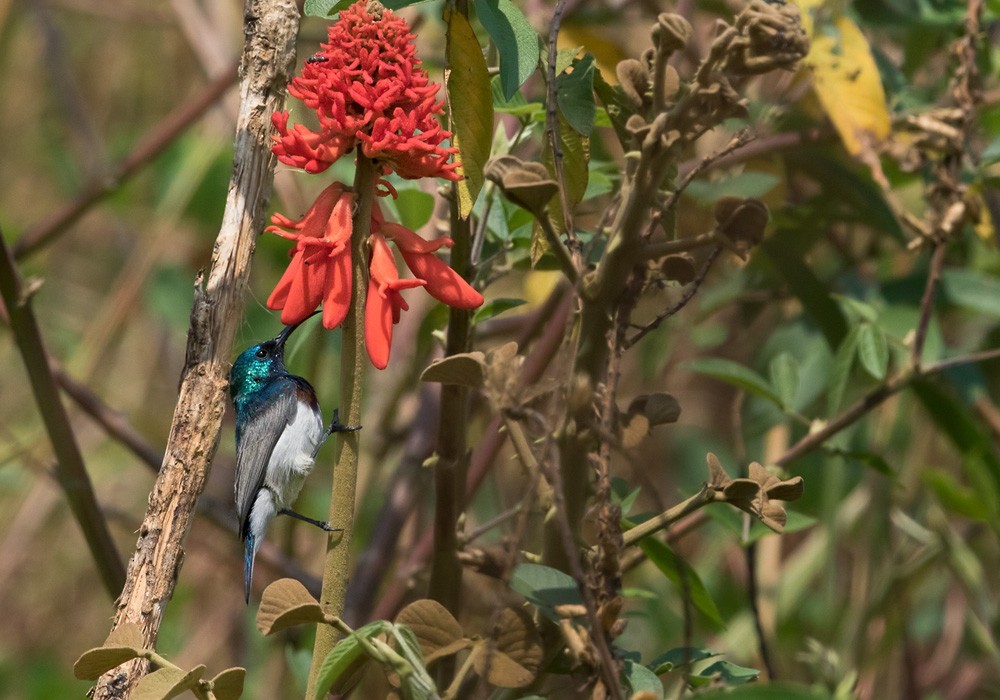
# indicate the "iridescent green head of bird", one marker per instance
pixel 258 364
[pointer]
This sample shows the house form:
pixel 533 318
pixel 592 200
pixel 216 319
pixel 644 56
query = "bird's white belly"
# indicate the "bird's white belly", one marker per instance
pixel 292 460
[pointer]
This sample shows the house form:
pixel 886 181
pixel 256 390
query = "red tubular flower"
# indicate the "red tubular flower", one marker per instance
pixel 320 271
pixel 367 87
pixel 384 302
pixel 370 94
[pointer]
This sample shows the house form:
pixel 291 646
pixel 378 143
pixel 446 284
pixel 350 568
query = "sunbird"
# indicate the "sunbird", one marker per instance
pixel 279 430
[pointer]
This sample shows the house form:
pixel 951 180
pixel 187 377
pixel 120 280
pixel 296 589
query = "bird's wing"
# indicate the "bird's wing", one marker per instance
pixel 256 442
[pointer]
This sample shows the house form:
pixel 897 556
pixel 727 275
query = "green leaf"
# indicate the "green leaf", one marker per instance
pixel 624 495
pixel 495 307
pixel 678 657
pixel 471 104
pixel 683 577
pixel 748 184
pixel 515 39
pixel 640 678
pixel 564 58
pixel 576 174
pixel 545 587
pixel 873 350
pixel 869 459
pixel 843 361
pixel 972 290
pixel 856 191
pixel 737 375
pixel 324 8
pixel 344 655
pixel 954 496
pixel 990 154
pixel 729 672
pixel 414 208
pixel 788 262
pixel 516 105
pixel 575 94
pixel 856 309
pixel 771 691
pixel 785 377
pixel 979 460
pixel 417 683
pixel 616 107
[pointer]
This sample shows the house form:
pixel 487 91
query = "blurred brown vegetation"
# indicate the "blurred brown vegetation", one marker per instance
pixel 893 578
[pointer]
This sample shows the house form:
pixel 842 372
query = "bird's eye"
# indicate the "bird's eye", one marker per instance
pixel 262 353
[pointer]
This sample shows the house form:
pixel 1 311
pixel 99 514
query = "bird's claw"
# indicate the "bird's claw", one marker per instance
pixel 337 427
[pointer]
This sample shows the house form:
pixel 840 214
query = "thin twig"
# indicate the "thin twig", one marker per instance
pixel 70 469
pixel 607 666
pixel 688 295
pixel 660 249
pixel 114 423
pixel 740 139
pixel 874 398
pixel 152 145
pixel 763 145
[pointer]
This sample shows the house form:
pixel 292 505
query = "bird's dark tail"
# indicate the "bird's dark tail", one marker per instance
pixel 248 557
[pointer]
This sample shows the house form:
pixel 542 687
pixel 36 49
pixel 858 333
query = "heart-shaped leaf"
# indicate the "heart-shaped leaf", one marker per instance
pixel 518 639
pixel 123 644
pixel 437 631
pixel 464 369
pixel 167 683
pixel 228 684
pixel 286 603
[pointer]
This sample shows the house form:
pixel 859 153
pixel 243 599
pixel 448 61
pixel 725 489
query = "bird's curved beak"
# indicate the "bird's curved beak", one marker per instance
pixel 280 339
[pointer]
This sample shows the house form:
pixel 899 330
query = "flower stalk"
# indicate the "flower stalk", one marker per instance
pixel 337 563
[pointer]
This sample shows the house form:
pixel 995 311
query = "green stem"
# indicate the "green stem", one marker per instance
pixel 337 565
pixel 667 518
pixel 452 448
pixel 71 472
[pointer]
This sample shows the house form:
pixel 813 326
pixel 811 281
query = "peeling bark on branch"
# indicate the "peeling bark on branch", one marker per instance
pixel 269 51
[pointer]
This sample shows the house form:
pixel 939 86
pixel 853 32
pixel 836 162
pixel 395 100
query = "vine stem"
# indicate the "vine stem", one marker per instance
pixel 337 564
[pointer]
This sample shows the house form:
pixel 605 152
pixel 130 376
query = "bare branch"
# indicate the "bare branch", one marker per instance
pixel 269 51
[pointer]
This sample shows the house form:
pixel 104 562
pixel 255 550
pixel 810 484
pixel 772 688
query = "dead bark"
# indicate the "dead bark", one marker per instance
pixel 270 29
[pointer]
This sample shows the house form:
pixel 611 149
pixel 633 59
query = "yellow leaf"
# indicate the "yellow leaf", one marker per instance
pixel 846 80
pixel 470 100
pixel 538 285
pixel 600 40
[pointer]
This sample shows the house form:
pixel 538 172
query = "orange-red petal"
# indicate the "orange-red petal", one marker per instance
pixel 338 290
pixel 378 325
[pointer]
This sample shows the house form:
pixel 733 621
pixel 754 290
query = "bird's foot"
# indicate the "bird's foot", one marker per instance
pixel 337 427
pixel 321 524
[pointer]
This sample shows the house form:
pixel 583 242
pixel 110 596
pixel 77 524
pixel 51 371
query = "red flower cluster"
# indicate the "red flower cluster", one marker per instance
pixel 320 271
pixel 368 90
pixel 367 86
